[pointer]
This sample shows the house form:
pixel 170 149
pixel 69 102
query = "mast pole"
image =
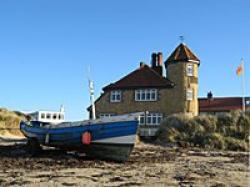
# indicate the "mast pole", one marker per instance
pixel 243 86
pixel 92 95
pixel 92 98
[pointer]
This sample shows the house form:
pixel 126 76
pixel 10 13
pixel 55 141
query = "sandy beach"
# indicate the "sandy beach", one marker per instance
pixel 149 165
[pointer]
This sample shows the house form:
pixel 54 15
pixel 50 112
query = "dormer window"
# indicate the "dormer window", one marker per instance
pixel 190 70
pixel 146 95
pixel 115 96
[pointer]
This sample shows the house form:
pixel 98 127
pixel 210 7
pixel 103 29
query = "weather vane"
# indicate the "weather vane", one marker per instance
pixel 181 39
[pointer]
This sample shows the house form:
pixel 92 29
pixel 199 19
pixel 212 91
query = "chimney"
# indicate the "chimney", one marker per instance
pixel 210 96
pixel 156 63
pixel 141 64
pixel 160 59
pixel 153 60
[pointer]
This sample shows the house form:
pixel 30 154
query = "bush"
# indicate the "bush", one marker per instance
pixel 247 113
pixel 243 127
pixel 10 120
pixel 216 140
pixel 226 124
pixel 225 131
pixel 207 121
pixel 179 122
pixel 167 133
pixel 236 145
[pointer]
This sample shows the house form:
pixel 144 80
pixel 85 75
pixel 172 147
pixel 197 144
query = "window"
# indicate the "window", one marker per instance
pixel 54 116
pixel 48 116
pixel 146 95
pixel 142 119
pixel 42 115
pixel 115 96
pixel 190 70
pixel 150 119
pixel 106 115
pixel 247 102
pixel 189 94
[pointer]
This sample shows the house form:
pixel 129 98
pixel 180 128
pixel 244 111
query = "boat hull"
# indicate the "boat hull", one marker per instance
pixel 116 152
pixel 110 140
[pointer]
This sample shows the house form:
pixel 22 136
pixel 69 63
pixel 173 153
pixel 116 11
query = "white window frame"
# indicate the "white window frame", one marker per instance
pixel 189 94
pixel 115 96
pixel 146 95
pixel 190 70
pixel 152 118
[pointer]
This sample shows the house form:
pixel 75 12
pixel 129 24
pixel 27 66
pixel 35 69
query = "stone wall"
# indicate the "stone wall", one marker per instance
pixel 167 103
pixel 176 72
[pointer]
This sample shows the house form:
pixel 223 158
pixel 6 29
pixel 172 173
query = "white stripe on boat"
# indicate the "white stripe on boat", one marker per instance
pixel 130 139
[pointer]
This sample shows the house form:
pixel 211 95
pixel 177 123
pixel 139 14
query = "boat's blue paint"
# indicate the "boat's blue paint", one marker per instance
pixel 71 135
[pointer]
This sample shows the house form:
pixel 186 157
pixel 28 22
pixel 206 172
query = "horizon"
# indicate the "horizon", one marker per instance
pixel 46 47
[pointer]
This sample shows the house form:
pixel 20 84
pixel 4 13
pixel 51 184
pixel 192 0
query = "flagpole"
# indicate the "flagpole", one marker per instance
pixel 243 86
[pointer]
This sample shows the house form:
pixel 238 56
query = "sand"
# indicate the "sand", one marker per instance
pixel 149 165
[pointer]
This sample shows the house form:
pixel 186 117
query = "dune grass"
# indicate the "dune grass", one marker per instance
pixel 229 131
pixel 9 122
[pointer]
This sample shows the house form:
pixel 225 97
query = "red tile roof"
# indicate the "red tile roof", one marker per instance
pixel 143 77
pixel 182 53
pixel 221 104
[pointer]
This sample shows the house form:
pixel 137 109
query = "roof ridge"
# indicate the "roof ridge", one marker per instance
pixel 123 77
pixel 144 76
pixel 224 97
pixel 189 51
pixel 185 48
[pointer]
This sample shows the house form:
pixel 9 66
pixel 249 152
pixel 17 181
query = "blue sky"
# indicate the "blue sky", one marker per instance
pixel 46 46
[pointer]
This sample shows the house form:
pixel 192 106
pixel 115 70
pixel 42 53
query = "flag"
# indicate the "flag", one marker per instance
pixel 239 70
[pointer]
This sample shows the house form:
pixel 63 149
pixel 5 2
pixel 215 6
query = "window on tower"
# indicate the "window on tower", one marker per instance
pixel 189 95
pixel 190 70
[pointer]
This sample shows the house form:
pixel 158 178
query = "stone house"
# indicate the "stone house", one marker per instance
pixel 148 89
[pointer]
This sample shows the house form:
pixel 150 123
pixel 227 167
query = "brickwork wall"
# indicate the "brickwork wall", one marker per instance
pixel 166 103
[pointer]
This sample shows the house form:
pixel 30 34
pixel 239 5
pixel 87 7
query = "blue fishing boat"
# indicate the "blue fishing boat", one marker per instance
pixel 107 138
pixel 111 138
